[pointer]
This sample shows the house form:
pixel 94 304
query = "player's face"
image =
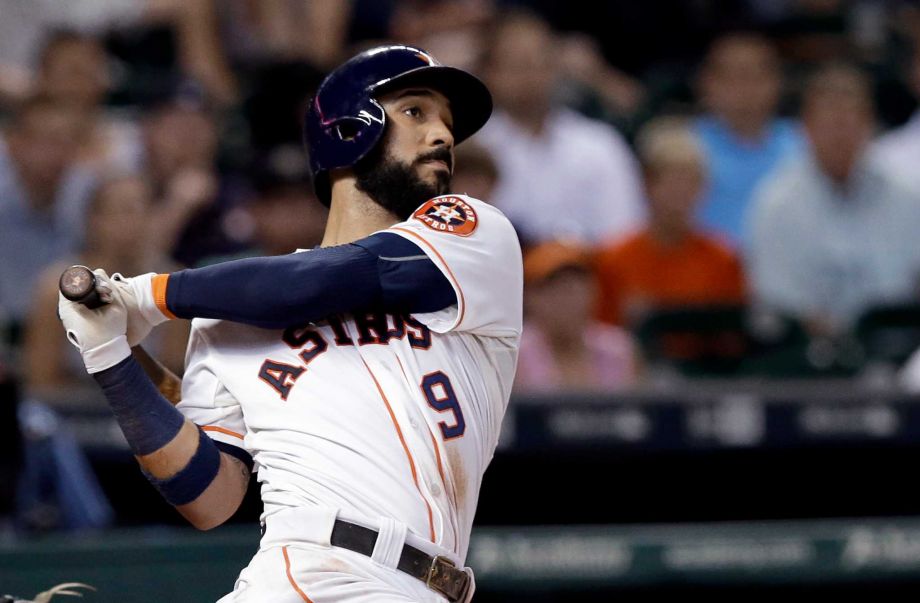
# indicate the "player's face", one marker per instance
pixel 421 133
pixel 415 160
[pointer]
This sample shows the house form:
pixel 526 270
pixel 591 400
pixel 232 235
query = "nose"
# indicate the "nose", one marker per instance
pixel 440 135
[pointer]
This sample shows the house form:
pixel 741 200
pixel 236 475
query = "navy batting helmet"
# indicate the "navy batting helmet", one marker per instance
pixel 345 121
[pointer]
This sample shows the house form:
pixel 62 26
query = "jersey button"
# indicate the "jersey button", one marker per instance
pixel 436 490
pixel 413 423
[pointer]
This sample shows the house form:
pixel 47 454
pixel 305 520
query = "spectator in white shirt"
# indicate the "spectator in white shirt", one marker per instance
pixel 561 175
pixel 834 234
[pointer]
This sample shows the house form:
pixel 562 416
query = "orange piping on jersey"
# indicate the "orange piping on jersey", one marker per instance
pixel 222 430
pixel 287 570
pixel 405 448
pixel 453 497
pixel 159 283
pixel 437 452
pixel 440 257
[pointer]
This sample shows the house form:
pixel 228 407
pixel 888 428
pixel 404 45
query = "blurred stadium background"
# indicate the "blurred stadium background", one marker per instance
pixel 717 393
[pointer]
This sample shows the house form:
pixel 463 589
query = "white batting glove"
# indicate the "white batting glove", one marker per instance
pixel 138 297
pixel 99 334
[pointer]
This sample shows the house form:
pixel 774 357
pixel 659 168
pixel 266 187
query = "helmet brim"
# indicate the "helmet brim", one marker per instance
pixel 470 100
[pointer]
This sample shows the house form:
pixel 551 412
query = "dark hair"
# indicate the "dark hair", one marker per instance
pixel 838 80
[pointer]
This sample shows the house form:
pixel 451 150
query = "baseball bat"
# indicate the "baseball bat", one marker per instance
pixel 78 284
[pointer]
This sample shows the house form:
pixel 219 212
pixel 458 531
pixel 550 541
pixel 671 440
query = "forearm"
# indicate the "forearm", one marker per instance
pixel 166 382
pixel 182 462
pixel 222 496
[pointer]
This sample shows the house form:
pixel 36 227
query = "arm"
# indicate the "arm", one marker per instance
pixel 204 483
pixel 383 271
pixel 166 381
pixel 197 475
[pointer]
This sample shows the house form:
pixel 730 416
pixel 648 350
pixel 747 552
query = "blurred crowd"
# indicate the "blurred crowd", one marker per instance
pixel 709 188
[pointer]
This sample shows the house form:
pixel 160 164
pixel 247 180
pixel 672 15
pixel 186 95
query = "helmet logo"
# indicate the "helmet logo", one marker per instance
pixel 448 214
pixel 367 118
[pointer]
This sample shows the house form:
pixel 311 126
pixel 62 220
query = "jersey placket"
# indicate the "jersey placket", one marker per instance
pixel 418 470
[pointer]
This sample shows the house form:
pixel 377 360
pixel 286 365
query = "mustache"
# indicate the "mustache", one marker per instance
pixel 439 154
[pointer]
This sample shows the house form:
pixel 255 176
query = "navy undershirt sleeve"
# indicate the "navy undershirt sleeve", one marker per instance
pixel 382 272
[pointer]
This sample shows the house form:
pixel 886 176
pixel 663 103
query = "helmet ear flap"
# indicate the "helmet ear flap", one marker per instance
pixel 347 130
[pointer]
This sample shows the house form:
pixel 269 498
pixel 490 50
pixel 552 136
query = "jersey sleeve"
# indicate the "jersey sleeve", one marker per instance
pixel 474 245
pixel 206 401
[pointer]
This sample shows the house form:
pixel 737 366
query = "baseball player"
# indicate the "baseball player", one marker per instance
pixel 365 380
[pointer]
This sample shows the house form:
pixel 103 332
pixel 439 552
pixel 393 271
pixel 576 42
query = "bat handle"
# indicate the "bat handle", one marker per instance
pixel 78 284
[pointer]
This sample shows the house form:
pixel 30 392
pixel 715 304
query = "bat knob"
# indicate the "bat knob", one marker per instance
pixel 78 284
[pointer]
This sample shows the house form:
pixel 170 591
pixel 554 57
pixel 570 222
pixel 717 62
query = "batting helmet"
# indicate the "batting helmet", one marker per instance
pixel 345 120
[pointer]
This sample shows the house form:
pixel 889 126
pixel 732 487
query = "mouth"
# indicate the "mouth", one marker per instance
pixel 438 164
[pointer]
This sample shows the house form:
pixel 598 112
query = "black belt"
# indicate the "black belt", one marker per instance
pixel 437 572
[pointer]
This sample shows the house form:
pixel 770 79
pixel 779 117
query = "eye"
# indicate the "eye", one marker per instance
pixel 413 111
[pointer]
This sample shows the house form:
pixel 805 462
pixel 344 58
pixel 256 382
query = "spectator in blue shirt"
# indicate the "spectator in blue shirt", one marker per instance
pixel 740 87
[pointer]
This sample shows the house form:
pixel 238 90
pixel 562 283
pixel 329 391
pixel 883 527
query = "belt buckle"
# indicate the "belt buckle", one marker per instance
pixel 435 571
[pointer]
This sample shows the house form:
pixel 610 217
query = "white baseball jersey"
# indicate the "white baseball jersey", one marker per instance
pixel 382 415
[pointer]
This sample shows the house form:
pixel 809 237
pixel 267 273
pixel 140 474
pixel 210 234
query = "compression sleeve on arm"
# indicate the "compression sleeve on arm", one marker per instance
pixel 383 271
pixel 150 422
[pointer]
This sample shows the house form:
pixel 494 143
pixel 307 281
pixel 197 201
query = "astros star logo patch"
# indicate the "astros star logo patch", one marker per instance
pixel 448 214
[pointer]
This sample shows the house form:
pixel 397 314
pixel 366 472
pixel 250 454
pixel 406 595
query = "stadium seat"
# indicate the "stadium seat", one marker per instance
pixel 889 334
pixel 730 340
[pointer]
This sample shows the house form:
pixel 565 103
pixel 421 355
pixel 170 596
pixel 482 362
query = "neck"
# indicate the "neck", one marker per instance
pixel 532 119
pixel 566 340
pixel 668 236
pixel 353 215
pixel 749 130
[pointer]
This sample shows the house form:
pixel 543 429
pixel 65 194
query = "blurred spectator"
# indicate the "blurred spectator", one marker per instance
pixel 191 26
pixel 43 196
pixel 740 86
pixel 452 30
pixel 117 240
pixel 561 175
pixel 899 150
pixel 585 68
pixel 834 234
pixel 812 32
pixel 57 489
pixel 475 173
pixel 219 41
pixel 286 213
pixel 671 262
pixel 562 347
pixel 25 25
pixel 181 143
pixel 73 71
pixel 258 33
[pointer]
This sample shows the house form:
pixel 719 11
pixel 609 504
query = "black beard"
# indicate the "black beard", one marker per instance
pixel 396 186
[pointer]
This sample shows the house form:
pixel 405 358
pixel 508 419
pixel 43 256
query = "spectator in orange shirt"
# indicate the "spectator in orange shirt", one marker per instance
pixel 671 262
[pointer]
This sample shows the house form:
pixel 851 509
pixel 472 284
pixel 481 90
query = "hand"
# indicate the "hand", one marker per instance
pixel 99 334
pixel 136 293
